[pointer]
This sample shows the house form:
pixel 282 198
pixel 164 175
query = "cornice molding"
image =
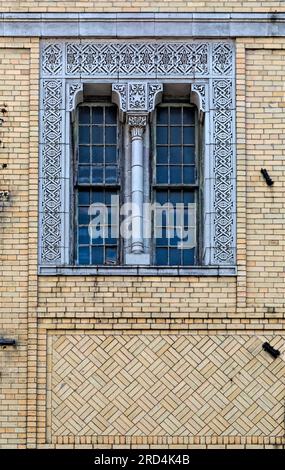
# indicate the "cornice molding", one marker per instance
pixel 142 25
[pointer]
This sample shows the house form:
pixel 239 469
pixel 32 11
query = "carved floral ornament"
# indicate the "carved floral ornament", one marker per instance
pixel 137 72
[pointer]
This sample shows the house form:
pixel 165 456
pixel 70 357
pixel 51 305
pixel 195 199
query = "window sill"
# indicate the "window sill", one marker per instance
pixel 137 271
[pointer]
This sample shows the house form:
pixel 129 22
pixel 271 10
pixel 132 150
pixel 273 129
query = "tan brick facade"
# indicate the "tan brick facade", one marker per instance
pixel 58 321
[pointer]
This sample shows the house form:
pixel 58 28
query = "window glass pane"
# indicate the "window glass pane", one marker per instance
pixel 111 135
pixel 111 114
pixel 97 115
pixel 188 116
pixel 175 116
pixel 97 196
pixel 83 217
pixel 111 254
pixel 83 236
pixel 97 154
pixel 175 155
pixel 84 174
pixel 83 198
pixel 111 174
pixel 175 135
pixel 83 255
pixel 97 134
pixel 84 134
pixel 189 154
pixel 189 175
pixel 162 174
pixel 188 257
pixel 161 135
pixel 175 174
pixel 162 154
pixel 188 135
pixel 162 116
pixel 162 256
pixel 174 257
pixel 97 174
pixel 84 115
pixel 97 254
pixel 111 154
pixel 84 154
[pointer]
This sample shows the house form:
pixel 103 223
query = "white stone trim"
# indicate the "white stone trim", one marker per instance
pixel 103 25
pixel 208 65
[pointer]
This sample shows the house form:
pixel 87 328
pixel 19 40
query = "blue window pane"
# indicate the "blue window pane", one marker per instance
pixel 84 115
pixel 174 257
pixel 97 134
pixel 83 236
pixel 161 256
pixel 162 174
pixel 97 255
pixel 83 198
pixel 188 116
pixel 189 154
pixel 84 154
pixel 188 197
pixel 162 116
pixel 175 197
pixel 97 175
pixel 161 236
pixel 84 134
pixel 175 155
pixel 161 197
pixel 97 196
pixel 188 257
pixel 111 115
pixel 175 174
pixel 111 134
pixel 175 116
pixel 162 154
pixel 84 174
pixel 174 239
pixel 96 237
pixel 175 135
pixel 161 135
pixel 189 175
pixel 97 115
pixel 111 175
pixel 97 154
pixel 83 217
pixel 83 255
pixel 111 254
pixel 108 196
pixel 188 135
pixel 111 154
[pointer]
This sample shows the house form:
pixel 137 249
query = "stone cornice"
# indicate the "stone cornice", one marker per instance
pixel 142 24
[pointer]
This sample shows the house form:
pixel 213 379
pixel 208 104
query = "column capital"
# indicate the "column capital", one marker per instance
pixel 137 96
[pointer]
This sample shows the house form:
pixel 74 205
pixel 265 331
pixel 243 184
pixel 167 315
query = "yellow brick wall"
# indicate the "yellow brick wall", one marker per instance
pixel 18 91
pixel 143 6
pixel 34 308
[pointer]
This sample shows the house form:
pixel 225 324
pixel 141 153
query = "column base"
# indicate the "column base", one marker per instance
pixel 137 258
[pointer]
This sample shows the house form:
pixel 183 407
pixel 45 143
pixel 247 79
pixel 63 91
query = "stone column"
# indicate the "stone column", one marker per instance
pixel 136 100
pixel 137 125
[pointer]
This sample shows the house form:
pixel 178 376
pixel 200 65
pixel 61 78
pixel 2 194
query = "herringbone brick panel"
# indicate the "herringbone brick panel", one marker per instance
pixel 165 385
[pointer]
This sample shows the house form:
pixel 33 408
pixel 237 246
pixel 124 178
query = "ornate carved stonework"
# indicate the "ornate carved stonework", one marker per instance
pixel 134 68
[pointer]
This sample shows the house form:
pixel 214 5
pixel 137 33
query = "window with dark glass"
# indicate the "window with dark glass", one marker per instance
pixel 175 185
pixel 97 183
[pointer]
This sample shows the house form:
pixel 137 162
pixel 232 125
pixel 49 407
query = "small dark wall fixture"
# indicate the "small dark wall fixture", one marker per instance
pixel 268 348
pixel 266 176
pixel 4 342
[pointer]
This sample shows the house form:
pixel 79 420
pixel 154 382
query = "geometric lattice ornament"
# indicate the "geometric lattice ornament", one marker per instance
pixel 165 385
pixel 65 64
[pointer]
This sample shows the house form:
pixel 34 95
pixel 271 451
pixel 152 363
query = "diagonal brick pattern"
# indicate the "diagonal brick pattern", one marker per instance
pixel 165 385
